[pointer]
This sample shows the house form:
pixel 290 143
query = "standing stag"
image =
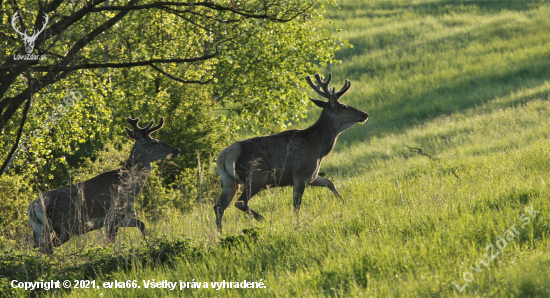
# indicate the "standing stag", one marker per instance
pixel 291 157
pixel 105 200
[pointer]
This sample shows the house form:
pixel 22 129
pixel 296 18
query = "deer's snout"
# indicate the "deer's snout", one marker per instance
pixel 364 117
pixel 175 154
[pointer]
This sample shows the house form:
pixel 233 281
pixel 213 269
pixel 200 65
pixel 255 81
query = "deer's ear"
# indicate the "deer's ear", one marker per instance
pixel 317 102
pixel 130 133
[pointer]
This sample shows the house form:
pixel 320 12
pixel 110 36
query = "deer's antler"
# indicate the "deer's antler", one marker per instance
pixel 323 90
pixel 158 127
pixel 322 85
pixel 344 89
pixel 147 130
pixel 133 122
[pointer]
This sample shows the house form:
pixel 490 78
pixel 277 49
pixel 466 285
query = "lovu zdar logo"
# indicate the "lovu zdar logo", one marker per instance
pixel 29 40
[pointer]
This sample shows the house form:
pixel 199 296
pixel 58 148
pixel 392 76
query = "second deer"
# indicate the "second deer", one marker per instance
pixel 291 157
pixel 106 200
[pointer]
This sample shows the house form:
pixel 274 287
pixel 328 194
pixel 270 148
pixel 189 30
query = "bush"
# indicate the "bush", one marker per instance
pixel 16 195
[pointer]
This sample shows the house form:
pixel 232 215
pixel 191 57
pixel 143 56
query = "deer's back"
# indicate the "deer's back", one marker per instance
pixel 284 155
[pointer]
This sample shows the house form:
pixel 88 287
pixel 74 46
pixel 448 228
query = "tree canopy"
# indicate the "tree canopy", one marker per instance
pixel 209 67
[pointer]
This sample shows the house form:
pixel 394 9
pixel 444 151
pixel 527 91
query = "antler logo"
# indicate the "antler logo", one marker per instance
pixel 29 40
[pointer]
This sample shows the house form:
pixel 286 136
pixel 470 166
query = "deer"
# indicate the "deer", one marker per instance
pixel 29 40
pixel 289 158
pixel 106 200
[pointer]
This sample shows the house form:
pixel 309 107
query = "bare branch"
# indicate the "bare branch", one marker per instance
pixel 120 65
pixel 254 14
pixel 180 80
pixel 21 125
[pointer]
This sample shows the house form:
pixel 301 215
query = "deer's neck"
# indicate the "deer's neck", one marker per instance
pixel 324 134
pixel 133 175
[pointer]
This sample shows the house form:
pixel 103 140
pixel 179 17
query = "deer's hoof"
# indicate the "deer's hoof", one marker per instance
pixel 258 217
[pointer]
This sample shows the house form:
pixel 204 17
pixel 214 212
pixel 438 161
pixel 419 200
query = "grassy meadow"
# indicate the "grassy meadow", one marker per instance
pixel 466 81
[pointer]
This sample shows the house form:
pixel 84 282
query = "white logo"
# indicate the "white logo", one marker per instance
pixel 29 40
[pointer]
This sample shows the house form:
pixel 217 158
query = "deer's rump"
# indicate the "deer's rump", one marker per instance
pixel 67 210
pixel 79 208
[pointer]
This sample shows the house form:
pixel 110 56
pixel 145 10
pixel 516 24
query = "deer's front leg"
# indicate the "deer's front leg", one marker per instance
pixel 131 223
pixel 138 224
pixel 299 187
pixel 320 181
pixel 111 232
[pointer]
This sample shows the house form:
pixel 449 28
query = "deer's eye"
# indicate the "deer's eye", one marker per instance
pixel 344 107
pixel 154 143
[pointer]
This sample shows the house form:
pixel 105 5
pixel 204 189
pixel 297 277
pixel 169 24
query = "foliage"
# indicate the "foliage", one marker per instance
pixel 13 215
pixel 210 69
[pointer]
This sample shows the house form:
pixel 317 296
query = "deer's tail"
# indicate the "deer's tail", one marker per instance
pixel 35 212
pixel 227 160
pixel 40 224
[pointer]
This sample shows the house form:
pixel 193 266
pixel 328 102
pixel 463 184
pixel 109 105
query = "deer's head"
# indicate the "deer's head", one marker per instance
pixel 146 148
pixel 342 115
pixel 29 40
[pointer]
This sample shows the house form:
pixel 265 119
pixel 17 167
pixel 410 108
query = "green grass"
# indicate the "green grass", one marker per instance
pixel 411 63
pixel 467 81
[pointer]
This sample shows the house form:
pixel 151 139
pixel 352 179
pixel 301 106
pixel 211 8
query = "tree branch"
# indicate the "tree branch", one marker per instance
pixel 178 79
pixel 53 30
pixel 121 65
pixel 211 5
pixel 65 22
pixel 8 106
pixel 20 132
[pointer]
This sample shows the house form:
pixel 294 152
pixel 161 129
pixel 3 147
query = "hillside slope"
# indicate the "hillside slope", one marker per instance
pixel 466 81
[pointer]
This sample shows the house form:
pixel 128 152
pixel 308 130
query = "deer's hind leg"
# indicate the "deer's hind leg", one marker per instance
pixel 111 228
pixel 230 186
pixel 320 181
pixel 252 187
pixel 298 192
pixel 43 238
pixel 60 238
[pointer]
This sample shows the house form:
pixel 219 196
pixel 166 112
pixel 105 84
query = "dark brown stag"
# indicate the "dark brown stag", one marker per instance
pixel 291 157
pixel 106 200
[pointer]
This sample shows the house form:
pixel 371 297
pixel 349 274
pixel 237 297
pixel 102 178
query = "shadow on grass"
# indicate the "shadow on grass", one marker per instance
pixel 400 46
pixel 404 111
pixel 393 8
pixel 397 107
